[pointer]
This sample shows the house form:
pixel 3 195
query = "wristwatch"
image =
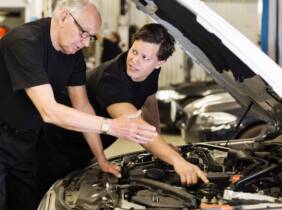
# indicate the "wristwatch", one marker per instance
pixel 105 126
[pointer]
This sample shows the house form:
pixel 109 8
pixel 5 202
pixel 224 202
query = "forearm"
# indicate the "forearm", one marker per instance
pixel 188 172
pixel 150 112
pixel 72 119
pixel 52 112
pixel 92 139
pixel 152 116
pixel 162 150
pixel 95 144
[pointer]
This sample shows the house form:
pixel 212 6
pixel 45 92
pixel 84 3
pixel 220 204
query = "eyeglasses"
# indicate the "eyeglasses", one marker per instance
pixel 83 34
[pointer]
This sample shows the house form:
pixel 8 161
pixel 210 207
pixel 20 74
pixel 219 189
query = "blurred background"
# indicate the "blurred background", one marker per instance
pixel 182 81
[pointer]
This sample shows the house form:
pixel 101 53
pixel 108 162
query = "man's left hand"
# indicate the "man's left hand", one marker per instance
pixel 107 167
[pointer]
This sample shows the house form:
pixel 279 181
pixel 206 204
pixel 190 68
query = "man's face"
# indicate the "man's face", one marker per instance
pixel 78 29
pixel 142 60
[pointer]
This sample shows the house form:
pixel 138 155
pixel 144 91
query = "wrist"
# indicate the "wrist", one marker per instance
pixel 102 160
pixel 176 159
pixel 111 126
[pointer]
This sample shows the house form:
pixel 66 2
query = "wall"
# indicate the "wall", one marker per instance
pixel 32 8
pixel 242 14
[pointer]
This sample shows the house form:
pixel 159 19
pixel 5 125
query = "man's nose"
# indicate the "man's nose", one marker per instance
pixel 135 59
pixel 86 42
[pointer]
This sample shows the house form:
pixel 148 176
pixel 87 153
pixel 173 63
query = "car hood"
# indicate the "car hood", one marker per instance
pixel 231 59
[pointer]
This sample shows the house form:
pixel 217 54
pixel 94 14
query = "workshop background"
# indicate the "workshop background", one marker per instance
pixel 251 17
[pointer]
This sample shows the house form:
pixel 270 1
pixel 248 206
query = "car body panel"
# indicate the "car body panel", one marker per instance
pixel 215 117
pixel 171 100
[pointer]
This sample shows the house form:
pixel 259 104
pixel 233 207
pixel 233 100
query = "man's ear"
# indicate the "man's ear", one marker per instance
pixel 62 16
pixel 160 63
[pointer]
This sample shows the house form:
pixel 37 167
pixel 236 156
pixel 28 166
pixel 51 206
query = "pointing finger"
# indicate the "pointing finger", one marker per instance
pixel 202 176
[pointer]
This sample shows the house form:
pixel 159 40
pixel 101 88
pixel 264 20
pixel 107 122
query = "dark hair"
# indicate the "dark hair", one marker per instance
pixel 157 34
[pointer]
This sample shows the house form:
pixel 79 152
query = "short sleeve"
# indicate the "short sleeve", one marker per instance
pixel 24 61
pixel 78 76
pixel 111 90
pixel 153 80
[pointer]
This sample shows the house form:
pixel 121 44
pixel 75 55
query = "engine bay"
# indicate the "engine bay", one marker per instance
pixel 242 176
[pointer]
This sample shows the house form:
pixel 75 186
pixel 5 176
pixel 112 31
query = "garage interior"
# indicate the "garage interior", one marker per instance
pixel 208 112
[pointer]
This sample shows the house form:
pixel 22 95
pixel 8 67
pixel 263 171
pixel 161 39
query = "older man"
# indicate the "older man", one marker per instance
pixel 37 61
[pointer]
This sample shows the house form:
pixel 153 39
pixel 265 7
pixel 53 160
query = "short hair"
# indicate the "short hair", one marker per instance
pixel 157 34
pixel 73 6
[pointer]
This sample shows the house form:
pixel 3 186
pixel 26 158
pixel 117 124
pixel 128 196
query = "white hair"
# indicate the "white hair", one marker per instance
pixel 73 6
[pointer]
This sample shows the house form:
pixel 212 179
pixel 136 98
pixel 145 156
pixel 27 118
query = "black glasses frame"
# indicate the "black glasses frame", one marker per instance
pixel 83 33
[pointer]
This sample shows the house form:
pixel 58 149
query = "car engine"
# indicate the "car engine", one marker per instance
pixel 242 176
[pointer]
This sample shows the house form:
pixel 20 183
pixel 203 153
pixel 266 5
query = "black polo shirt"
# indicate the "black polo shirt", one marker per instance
pixel 109 84
pixel 110 50
pixel 27 59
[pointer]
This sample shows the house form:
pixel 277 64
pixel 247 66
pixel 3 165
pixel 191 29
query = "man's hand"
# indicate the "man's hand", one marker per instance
pixel 189 173
pixel 107 167
pixel 131 128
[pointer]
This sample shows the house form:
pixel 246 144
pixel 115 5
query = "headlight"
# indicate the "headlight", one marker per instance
pixel 215 119
pixel 168 95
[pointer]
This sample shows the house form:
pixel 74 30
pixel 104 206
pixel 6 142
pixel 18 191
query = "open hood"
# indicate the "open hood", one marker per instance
pixel 229 57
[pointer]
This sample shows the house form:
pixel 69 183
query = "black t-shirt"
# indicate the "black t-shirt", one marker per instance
pixel 110 50
pixel 27 59
pixel 109 84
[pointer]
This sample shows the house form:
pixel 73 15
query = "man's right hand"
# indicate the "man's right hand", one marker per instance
pixel 129 127
pixel 188 172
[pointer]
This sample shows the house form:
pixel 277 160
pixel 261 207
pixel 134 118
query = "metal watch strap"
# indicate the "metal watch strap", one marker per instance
pixel 105 126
